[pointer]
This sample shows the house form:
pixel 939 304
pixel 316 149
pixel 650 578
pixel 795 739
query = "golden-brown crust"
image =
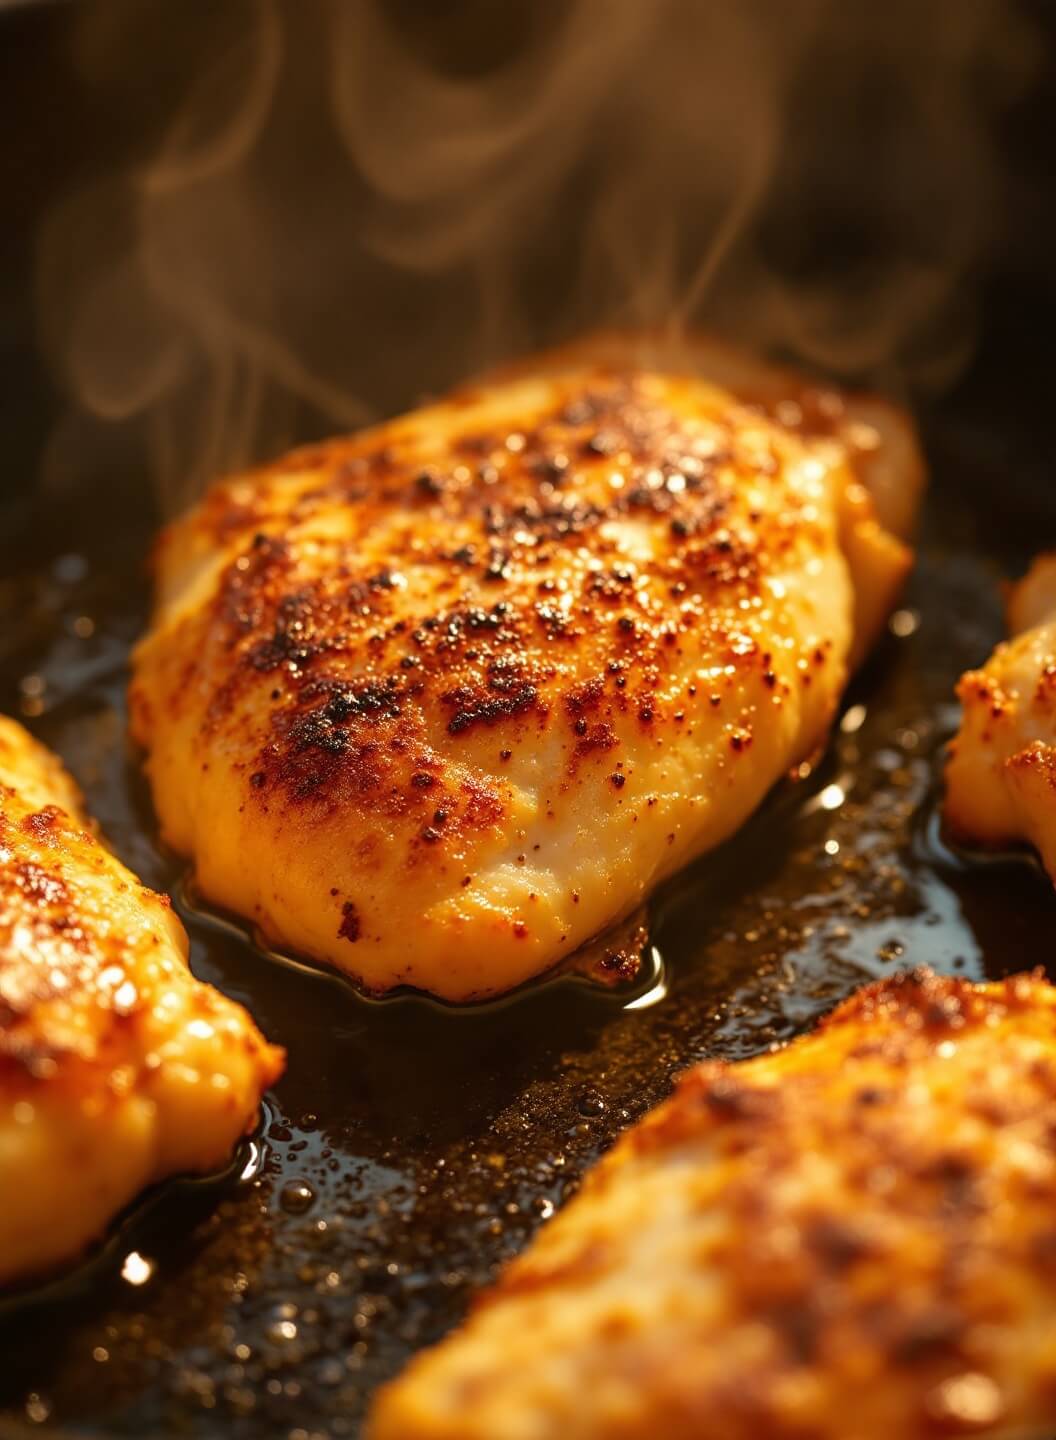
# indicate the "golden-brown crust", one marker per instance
pixel 408 648
pixel 851 1237
pixel 47 950
pixel 116 1066
pixel 877 437
pixel 492 656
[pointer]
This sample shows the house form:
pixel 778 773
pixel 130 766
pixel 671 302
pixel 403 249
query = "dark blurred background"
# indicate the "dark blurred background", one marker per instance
pixel 226 228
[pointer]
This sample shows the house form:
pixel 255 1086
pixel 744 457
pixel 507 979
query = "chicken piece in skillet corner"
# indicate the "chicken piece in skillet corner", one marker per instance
pixel 117 1067
pixel 1001 775
pixel 850 1239
pixel 439 702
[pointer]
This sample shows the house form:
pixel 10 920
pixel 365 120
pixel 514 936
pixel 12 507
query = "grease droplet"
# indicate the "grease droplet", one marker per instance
pixel 296 1196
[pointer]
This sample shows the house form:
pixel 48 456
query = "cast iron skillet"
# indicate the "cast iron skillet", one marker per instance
pixel 410 1148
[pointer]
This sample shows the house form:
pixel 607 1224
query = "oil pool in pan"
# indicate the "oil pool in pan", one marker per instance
pixel 410 1148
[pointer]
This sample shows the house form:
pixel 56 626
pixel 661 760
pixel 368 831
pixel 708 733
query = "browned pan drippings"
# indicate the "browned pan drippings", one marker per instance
pixel 410 1147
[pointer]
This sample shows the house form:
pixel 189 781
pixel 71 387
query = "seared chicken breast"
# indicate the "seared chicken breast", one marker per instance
pixel 439 702
pixel 117 1068
pixel 850 1239
pixel 1001 772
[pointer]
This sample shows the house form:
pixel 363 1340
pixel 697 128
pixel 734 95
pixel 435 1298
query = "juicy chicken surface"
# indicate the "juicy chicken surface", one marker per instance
pixel 437 703
pixel 1001 772
pixel 850 1239
pixel 117 1068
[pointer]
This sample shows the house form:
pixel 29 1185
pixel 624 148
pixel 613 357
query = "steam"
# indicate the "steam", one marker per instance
pixel 353 203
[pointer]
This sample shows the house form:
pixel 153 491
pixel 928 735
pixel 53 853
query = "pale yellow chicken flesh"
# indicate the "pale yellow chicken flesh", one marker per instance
pixel 1001 772
pixel 851 1239
pixel 437 703
pixel 117 1068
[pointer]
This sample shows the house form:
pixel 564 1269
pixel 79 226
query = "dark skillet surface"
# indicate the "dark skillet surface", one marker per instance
pixel 410 1149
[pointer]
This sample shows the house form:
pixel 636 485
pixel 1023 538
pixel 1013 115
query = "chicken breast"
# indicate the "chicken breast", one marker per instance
pixel 850 1239
pixel 117 1068
pixel 439 702
pixel 1001 771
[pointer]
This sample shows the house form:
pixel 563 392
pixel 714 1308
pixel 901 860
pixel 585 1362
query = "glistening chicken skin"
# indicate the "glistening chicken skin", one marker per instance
pixel 1001 774
pixel 117 1067
pixel 437 703
pixel 849 1239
